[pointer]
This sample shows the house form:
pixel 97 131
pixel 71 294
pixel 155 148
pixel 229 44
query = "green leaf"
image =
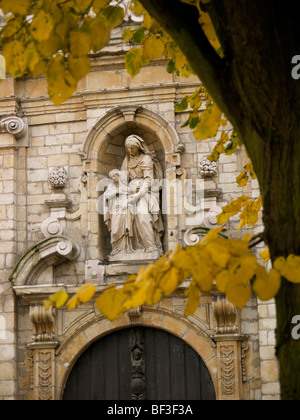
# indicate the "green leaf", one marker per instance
pixel 134 61
pixel 182 104
pixel 114 15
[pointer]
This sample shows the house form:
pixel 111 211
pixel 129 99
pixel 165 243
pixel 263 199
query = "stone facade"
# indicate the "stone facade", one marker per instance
pixel 52 235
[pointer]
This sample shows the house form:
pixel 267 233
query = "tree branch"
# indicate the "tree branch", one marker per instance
pixel 181 21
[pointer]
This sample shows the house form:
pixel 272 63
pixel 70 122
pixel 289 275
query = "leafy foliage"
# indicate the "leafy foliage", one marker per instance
pixel 54 38
pixel 227 263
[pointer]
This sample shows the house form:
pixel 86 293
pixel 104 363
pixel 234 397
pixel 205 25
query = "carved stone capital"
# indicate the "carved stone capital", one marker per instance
pixel 14 131
pixel 225 315
pixel 43 321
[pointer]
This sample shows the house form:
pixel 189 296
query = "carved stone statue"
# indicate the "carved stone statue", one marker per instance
pixel 132 214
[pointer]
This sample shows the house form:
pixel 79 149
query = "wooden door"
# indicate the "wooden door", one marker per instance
pixel 139 364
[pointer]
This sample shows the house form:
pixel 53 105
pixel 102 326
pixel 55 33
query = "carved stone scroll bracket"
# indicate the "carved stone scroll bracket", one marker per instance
pixel 43 321
pixel 135 315
pixel 13 132
pixel 225 314
pixel 55 225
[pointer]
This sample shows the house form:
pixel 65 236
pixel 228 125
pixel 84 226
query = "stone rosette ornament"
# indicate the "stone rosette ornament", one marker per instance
pixel 58 177
pixel 207 168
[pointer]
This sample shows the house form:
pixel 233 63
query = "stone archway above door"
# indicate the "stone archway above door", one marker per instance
pixel 95 328
pixel 139 363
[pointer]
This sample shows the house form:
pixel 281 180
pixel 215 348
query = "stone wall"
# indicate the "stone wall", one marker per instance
pixel 86 136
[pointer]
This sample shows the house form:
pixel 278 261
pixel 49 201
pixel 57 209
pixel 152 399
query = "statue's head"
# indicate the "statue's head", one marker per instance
pixel 134 145
pixel 115 175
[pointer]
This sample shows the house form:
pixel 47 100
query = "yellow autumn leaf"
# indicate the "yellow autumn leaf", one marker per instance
pixel 265 255
pixel 42 26
pixel 223 218
pixel 137 8
pixel 59 298
pixel 209 29
pixel 235 206
pixel 61 83
pixel 83 5
pixel 202 276
pixel 243 178
pixel 79 43
pixel 99 4
pixel 212 235
pixel 219 147
pixel 183 261
pixel 289 268
pixel 193 293
pixel 111 302
pixel 32 57
pixel 180 61
pixel 238 294
pixel 153 47
pixel 238 247
pixel 218 253
pixel 79 66
pixel 221 280
pixel 50 46
pixel 13 53
pixel 170 281
pixel 73 303
pixel 209 123
pixel 17 7
pixel 242 269
pixel 266 285
pixel 86 292
pixel 249 215
pixel 99 33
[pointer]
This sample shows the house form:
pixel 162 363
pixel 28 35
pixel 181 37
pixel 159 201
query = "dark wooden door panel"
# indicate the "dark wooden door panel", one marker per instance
pixel 139 363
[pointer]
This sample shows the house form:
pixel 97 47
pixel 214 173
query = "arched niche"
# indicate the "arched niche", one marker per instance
pixel 104 150
pixel 130 117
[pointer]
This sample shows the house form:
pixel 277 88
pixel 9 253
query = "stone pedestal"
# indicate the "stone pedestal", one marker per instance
pixel 136 257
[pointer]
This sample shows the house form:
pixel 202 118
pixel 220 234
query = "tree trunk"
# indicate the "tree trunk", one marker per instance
pixel 253 86
pixel 281 193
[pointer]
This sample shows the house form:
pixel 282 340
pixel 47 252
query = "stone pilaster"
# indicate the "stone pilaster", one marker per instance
pixel 229 349
pixel 13 136
pixel 43 352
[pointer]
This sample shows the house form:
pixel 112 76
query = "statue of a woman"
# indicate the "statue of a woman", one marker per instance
pixel 142 208
pixel 142 168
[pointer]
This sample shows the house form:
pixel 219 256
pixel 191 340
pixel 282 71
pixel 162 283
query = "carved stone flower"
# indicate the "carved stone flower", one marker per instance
pixel 207 169
pixel 58 177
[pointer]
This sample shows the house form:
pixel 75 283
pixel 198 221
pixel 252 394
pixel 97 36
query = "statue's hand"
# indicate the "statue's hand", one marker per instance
pixel 133 198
